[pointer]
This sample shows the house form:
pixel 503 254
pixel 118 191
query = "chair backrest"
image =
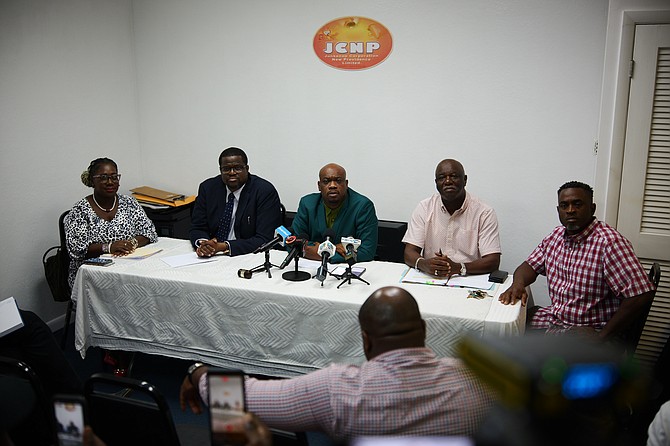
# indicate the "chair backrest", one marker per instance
pixel 631 336
pixel 655 274
pixel 57 266
pixel 25 408
pixel 65 257
pixel 282 210
pixel 129 411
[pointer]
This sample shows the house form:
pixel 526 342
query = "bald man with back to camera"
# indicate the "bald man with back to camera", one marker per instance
pixel 402 388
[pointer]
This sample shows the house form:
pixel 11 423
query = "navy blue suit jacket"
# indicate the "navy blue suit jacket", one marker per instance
pixel 258 213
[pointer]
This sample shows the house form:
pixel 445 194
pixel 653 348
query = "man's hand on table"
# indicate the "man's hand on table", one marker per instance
pixel 439 266
pixel 208 248
pixel 514 293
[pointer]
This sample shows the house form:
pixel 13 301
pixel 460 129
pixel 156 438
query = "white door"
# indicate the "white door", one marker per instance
pixel 644 206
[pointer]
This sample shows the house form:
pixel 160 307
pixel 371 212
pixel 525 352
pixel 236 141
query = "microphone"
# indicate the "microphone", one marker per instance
pixel 326 251
pixel 281 234
pixel 351 246
pixel 296 248
pixel 244 273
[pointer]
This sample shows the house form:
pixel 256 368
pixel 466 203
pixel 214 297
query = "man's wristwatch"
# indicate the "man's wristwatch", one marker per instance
pixel 464 271
pixel 191 370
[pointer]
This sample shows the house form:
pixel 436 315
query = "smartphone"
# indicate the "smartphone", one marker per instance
pixel 70 415
pixel 97 261
pixel 226 406
pixel 498 276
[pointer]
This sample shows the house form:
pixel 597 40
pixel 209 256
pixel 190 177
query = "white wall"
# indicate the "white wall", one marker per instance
pixel 67 96
pixel 510 88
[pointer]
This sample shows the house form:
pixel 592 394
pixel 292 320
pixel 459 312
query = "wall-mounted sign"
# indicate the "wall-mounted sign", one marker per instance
pixel 353 43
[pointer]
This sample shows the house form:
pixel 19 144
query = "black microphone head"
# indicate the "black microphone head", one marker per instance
pixel 328 233
pixel 302 238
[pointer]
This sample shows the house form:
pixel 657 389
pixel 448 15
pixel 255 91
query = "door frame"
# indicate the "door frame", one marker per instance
pixel 623 16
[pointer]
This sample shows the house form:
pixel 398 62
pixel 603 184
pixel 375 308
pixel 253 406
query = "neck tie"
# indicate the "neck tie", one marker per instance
pixel 226 219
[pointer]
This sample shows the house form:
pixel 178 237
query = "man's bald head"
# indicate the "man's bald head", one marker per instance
pixel 333 184
pixel 390 319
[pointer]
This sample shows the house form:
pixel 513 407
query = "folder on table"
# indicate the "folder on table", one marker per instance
pixel 156 196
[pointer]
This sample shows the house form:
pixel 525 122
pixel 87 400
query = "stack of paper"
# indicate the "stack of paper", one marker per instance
pixel 478 281
pixel 146 194
pixel 139 253
pixel 10 318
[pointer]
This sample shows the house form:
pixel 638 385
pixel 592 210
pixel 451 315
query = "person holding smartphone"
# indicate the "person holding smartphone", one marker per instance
pixel 71 417
pixel 421 395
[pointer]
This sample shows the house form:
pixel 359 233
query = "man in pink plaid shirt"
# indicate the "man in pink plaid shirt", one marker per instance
pixel 597 286
pixel 402 389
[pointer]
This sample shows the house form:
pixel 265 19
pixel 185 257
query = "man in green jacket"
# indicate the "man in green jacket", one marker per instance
pixel 345 211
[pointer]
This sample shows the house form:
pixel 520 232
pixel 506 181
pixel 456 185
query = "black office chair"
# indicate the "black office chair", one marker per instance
pixel 56 269
pixel 129 411
pixel 631 336
pixel 25 408
pixel 282 210
pixel 655 274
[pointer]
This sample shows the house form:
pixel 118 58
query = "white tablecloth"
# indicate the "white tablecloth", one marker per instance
pixel 261 325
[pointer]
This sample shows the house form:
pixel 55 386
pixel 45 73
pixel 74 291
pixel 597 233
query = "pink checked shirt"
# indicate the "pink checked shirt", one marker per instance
pixel 588 275
pixel 401 392
pixel 467 235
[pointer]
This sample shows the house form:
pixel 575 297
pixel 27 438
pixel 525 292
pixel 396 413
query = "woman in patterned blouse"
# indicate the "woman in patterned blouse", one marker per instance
pixel 105 222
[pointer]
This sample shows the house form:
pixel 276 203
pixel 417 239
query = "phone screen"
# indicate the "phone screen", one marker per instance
pixel 69 414
pixel 226 407
pixel 97 261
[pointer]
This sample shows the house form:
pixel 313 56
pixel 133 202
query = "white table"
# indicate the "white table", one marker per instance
pixel 262 325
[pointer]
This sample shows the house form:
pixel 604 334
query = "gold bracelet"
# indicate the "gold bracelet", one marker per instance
pixel 416 264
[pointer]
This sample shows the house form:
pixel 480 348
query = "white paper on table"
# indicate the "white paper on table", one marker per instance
pixel 190 258
pixel 478 281
pixel 138 254
pixel 308 264
pixel 10 318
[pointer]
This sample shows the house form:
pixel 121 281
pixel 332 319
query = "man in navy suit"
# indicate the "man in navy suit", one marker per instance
pixel 235 212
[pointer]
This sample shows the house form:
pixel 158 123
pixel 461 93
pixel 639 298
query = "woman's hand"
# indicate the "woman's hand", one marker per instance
pixel 122 247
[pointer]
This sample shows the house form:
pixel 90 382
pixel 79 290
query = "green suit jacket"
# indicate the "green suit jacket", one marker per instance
pixel 356 219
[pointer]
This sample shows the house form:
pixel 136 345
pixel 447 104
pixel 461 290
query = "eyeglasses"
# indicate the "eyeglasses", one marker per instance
pixel 105 178
pixel 237 168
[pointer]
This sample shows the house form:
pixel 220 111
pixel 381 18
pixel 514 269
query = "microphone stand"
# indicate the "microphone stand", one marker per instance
pixel 295 275
pixel 264 266
pixel 348 275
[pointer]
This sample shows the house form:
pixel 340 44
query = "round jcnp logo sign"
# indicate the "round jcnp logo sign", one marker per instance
pixel 353 43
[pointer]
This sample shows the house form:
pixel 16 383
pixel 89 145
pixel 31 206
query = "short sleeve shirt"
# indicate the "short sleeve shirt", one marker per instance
pixel 467 235
pixel 588 275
